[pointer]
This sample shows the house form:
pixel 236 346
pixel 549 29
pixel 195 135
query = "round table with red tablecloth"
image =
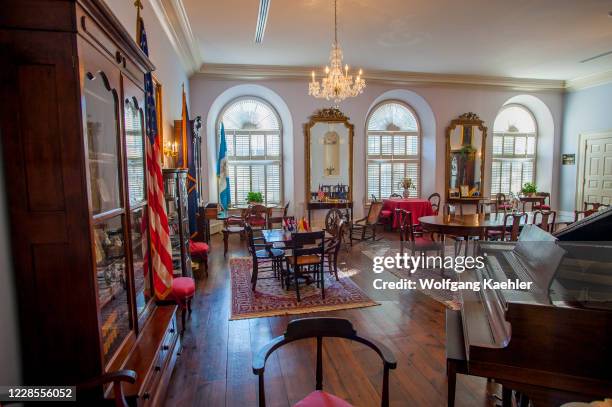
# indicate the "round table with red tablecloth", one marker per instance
pixel 418 207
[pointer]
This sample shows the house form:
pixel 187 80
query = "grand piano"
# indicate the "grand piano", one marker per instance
pixel 552 343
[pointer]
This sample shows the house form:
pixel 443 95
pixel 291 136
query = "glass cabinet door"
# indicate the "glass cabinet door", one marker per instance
pixel 140 260
pixel 135 151
pixel 102 143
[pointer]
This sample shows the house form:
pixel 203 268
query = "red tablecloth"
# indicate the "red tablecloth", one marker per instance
pixel 418 208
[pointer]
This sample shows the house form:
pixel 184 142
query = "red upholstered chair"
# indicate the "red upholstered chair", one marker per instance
pixel 321 328
pixel 545 204
pixel 502 204
pixel 199 252
pixel 257 217
pixel 183 289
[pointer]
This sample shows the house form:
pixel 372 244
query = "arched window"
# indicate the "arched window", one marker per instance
pixel 514 150
pixel 254 149
pixel 393 149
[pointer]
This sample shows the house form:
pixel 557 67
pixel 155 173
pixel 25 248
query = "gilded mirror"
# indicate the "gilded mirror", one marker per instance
pixel 465 157
pixel 329 156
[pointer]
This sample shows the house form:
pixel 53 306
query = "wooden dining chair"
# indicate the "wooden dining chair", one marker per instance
pixel 417 242
pixel 233 224
pixel 595 206
pixel 306 260
pixel 434 199
pixel 332 248
pixel 544 205
pixel 276 215
pixel 515 227
pixel 115 378
pixel 256 216
pixel 547 220
pixel 265 257
pixel 365 228
pixel 502 204
pixel 322 327
pixel 578 215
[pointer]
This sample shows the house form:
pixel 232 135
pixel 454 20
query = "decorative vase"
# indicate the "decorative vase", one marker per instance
pixel 406 193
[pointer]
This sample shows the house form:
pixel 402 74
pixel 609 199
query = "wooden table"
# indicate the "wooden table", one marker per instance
pixel 315 205
pixel 418 207
pixel 280 235
pixel 532 199
pixel 475 224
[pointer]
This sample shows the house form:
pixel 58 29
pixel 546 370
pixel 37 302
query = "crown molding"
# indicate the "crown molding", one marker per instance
pixel 588 81
pixel 175 23
pixel 260 72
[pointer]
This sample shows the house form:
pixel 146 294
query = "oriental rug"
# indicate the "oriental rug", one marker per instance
pixel 269 299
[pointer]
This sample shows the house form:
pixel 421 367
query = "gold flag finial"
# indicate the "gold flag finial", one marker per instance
pixel 138 5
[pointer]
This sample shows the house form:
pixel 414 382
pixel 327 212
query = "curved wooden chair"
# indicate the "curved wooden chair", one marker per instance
pixel 332 248
pixel 116 378
pixel 515 227
pixel 434 199
pixel 276 215
pixel 256 216
pixel 417 242
pixel 583 214
pixel 502 204
pixel 320 328
pixel 265 257
pixel 365 228
pixel 547 221
pixel 234 224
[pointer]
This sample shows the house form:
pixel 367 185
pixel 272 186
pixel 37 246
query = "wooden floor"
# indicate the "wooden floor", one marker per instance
pixel 214 368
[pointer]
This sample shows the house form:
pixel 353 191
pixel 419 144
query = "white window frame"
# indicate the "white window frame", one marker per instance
pixel 405 159
pixel 252 160
pixel 512 158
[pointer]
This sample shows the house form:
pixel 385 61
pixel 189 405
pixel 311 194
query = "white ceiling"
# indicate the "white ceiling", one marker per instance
pixel 540 39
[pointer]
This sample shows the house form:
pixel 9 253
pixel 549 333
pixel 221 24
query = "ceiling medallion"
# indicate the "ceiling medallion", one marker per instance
pixel 337 84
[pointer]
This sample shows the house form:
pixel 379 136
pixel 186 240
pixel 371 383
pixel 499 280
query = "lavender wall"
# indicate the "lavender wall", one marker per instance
pixel 587 110
pixel 437 105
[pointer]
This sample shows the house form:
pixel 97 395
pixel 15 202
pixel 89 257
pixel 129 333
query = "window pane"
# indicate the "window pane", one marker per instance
pixel 514 119
pixel 273 145
pixel 520 145
pixel 386 178
pixel 242 145
pixel 273 183
pixel 398 176
pixel 231 170
pixel 374 145
pixel 412 145
pixel 257 145
pixel 258 179
pixel 508 145
pixel 373 180
pixel 527 171
pixel 498 142
pixel 243 183
pixel 517 172
pixel 250 114
pixel 229 141
pixel 399 145
pixel 387 145
pixel 531 145
pixel 412 172
pixel 505 177
pixel 392 117
pixel 495 178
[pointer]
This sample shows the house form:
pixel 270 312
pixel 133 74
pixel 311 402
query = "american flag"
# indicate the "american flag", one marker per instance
pixel 161 251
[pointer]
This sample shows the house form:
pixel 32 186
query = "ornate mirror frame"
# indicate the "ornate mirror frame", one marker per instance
pixel 466 119
pixel 327 115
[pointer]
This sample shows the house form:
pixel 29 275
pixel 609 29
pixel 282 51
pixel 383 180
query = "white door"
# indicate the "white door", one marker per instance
pixel 596 171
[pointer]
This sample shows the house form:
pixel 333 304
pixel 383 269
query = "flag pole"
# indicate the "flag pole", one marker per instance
pixel 138 5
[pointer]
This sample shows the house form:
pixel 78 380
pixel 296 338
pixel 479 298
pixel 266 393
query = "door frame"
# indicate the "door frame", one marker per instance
pixel 581 161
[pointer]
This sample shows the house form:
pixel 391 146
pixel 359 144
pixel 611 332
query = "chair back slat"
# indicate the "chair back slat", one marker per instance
pixel 515 228
pixel 406 228
pixel 374 212
pixel 307 243
pixel 547 220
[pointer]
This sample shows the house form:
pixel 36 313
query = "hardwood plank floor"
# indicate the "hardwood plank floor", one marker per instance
pixel 214 368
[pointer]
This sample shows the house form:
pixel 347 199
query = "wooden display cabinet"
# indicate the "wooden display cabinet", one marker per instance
pixel 175 192
pixel 75 163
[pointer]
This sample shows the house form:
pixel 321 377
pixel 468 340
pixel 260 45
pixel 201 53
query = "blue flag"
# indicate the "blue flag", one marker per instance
pixel 222 173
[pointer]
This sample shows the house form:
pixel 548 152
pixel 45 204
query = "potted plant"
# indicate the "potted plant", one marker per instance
pixel 529 189
pixel 254 198
pixel 406 184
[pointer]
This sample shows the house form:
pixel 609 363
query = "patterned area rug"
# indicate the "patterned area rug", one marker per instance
pixel 269 299
pixel 449 298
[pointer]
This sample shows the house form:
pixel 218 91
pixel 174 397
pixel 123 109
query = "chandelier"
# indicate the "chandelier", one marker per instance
pixel 337 84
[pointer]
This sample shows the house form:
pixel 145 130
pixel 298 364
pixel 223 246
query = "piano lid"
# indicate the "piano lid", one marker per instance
pixel 595 228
